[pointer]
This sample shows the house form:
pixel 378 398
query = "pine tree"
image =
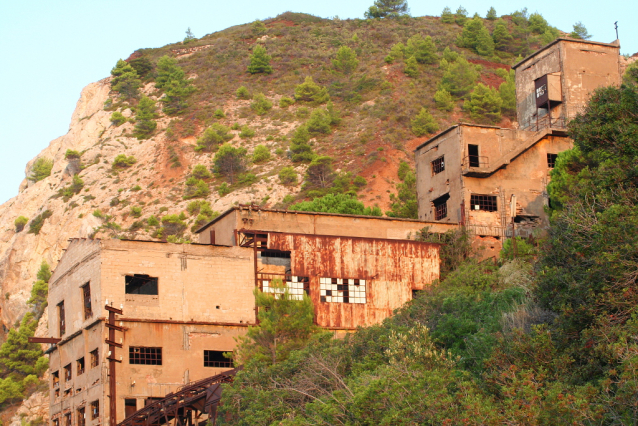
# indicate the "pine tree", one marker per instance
pixel 444 100
pixel 580 31
pixel 461 16
pixel 537 24
pixel 319 122
pixel 484 104
pixel 145 118
pixel 260 61
pixel 165 67
pixel 320 173
pixel 177 89
pixel 411 68
pixel 484 43
pixel 189 36
pixel 491 14
pixel 469 36
pixel 447 17
pixel 405 204
pixel 299 146
pixel 125 80
pixel 501 36
pixel 387 9
pixel 212 137
pixel 423 50
pixel 459 78
pixel 424 123
pixel 396 52
pixel 507 92
pixel 346 60
pixel 311 92
pixel 230 161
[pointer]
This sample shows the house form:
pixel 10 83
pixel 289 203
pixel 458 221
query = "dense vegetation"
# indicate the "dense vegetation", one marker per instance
pixel 546 341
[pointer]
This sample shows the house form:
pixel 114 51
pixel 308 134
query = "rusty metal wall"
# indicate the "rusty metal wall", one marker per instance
pixel 392 268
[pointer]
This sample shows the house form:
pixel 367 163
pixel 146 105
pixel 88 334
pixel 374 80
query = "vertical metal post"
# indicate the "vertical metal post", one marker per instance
pixel 110 324
pixel 256 278
pixel 514 237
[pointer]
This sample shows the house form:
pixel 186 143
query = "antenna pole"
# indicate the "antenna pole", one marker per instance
pixel 616 27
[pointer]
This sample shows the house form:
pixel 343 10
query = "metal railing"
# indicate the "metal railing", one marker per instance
pixel 476 161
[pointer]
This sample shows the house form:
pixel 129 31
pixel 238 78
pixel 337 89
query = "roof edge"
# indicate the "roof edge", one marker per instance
pixel 615 43
pixel 460 124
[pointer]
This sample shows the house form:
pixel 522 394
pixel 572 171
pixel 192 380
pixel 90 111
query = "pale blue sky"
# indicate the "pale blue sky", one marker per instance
pixel 51 49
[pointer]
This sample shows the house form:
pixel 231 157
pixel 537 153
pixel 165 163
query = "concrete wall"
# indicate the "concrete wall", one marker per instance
pixel 392 270
pixel 583 66
pixel 316 224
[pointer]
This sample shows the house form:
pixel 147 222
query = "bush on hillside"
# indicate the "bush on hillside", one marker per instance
pixel 40 169
pixel 230 161
pixel 125 80
pixel 145 116
pixel 484 104
pixel 213 137
pixel 196 188
pixel 424 123
pixel 36 224
pixel 201 172
pixel 337 203
pixel 261 154
pixel 20 223
pixel 346 60
pixel 121 161
pixel 311 92
pixel 72 154
pixel 260 61
pixel 285 102
pixel 260 104
pixel 288 176
pixel 443 100
pixel 299 147
pixel 242 93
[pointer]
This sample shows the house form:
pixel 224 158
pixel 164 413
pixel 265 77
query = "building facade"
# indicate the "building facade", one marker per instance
pixel 183 305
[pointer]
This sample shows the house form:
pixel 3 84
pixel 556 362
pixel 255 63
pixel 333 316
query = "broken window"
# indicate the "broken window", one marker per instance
pixel 67 419
pixel 86 296
pixel 340 290
pixel 216 359
pixel 61 318
pixel 56 422
pixel 80 366
pixel 94 358
pixel 440 207
pixel 551 160
pixel 130 406
pixel 473 155
pixel 145 356
pixel 95 409
pixel 141 284
pixel 296 287
pixel 438 165
pixel 81 417
pixel 55 379
pixel 68 375
pixel 483 202
pixel 276 253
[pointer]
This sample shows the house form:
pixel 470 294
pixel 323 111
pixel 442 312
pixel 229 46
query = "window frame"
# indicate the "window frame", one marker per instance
pixel 80 362
pixel 86 300
pixel 438 165
pixel 485 202
pixel 146 277
pixel 551 160
pixel 95 357
pixel 440 206
pixel 61 318
pixel 228 363
pixel 145 358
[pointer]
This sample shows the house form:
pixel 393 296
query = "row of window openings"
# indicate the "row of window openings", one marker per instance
pixel 438 165
pixel 134 284
pixel 331 290
pixel 94 410
pixel 79 369
pixel 477 202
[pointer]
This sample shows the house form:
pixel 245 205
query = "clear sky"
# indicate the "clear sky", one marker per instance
pixel 51 49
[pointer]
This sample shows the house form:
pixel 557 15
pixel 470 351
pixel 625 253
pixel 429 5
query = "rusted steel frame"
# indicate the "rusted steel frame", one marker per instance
pixel 52 340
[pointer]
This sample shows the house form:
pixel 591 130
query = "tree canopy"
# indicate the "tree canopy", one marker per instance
pixel 387 9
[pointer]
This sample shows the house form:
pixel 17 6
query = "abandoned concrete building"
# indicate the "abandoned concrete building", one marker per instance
pixel 183 305
pixel 487 177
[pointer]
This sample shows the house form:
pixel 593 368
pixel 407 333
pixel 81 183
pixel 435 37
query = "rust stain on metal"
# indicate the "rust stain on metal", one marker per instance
pixel 391 268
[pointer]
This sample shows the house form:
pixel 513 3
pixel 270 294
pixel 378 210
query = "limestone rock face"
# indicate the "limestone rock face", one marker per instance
pixel 32 409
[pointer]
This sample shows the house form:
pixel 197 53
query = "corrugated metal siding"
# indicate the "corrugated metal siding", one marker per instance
pixel 392 268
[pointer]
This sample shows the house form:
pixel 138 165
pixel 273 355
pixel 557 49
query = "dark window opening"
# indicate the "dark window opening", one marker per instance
pixel 55 379
pixel 438 165
pixel 81 417
pixel 95 409
pixel 473 154
pixel 141 284
pixel 56 392
pixel 483 202
pixel 145 356
pixel 80 366
pixel 94 358
pixel 130 406
pixel 56 422
pixel 440 207
pixel 276 253
pixel 86 296
pixel 551 160
pixel 61 318
pixel 67 419
pixel 216 359
pixel 68 375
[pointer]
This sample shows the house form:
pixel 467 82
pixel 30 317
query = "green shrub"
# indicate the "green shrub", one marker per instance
pixel 259 61
pixel 507 92
pixel 258 28
pixel 319 122
pixel 114 202
pixel 524 249
pixel 40 169
pixel 387 9
pixel 219 113
pixel 447 17
pixel 459 78
pixel 235 126
pixel 172 225
pixel 196 188
pixel 136 211
pixel 424 123
pixel 142 66
pixel 118 119
pixel 501 36
pixel 288 176
pixel 136 188
pixel 74 188
pixel 461 16
pixel 40 289
pixel 36 224
pixel 320 173
pixel 212 137
pixel 285 102
pixel 230 161
pixel 260 104
pixel 360 182
pixel 177 88
pixel 299 146
pixel 242 93
pixel 245 179
pixel 396 52
pixel 311 92
pixel 484 104
pixel 411 68
pixel 404 203
pixel 346 60
pixel 201 172
pixel 121 161
pixel 125 80
pixel 261 154
pixel 152 221
pixel 337 203
pixel 246 132
pixel 223 189
pixel 423 49
pixel 20 223
pixel 71 154
pixel 444 100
